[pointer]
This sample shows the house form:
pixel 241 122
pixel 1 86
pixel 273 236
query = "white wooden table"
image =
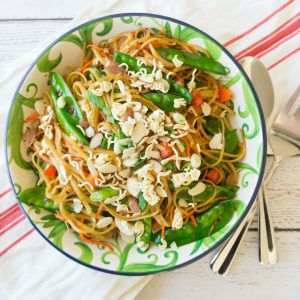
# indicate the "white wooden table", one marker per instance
pixel 22 25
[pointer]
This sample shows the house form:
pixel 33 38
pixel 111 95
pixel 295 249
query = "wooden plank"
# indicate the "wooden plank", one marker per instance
pixel 249 279
pixel 18 37
pixel 19 9
pixel 284 194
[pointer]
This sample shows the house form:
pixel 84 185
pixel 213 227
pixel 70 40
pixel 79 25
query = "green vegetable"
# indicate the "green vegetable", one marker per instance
pixel 208 222
pixel 146 236
pixel 197 82
pixel 132 65
pixel 99 73
pixel 227 191
pixel 67 120
pixel 213 126
pixel 194 61
pixel 36 197
pixel 104 143
pixel 130 61
pixel 103 193
pixel 99 102
pixel 231 141
pixel 171 185
pixel 205 195
pixel 180 90
pixel 139 163
pixel 170 166
pixel 186 165
pixel 163 101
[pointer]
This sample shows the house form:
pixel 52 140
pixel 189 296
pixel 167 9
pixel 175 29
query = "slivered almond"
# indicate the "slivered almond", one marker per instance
pixel 128 152
pixel 129 162
pixel 108 168
pixel 161 192
pixel 197 189
pixel 155 154
pixel 124 173
pixel 133 186
pixel 103 222
pixel 139 131
pixel 96 140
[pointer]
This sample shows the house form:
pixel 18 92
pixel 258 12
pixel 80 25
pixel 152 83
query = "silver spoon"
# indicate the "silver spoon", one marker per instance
pixel 222 261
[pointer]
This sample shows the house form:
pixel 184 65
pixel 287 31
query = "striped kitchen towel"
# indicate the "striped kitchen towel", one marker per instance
pixel 269 30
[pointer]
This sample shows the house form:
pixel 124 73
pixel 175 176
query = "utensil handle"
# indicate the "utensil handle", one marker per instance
pixel 222 261
pixel 275 163
pixel 267 245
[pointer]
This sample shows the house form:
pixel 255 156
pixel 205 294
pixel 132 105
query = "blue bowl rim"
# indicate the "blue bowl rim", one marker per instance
pixel 262 121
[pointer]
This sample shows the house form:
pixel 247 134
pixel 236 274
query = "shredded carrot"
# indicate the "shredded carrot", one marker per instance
pixel 77 158
pixel 99 211
pixel 46 159
pixel 85 239
pixel 90 179
pixel 59 216
pixel 68 145
pixel 188 146
pixel 86 65
pixel 163 231
pixel 31 117
pixel 50 172
pixel 188 215
pixel 193 220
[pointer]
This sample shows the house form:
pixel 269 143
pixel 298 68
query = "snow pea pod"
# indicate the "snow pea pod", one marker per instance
pixel 163 101
pixel 208 222
pixel 146 236
pixel 99 102
pixel 133 65
pixel 225 191
pixel 104 193
pixel 36 197
pixel 67 120
pixel 194 61
pixel 180 90
pixel 213 125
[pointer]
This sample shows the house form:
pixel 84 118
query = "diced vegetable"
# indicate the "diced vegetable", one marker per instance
pixel 213 175
pixel 225 94
pixel 50 172
pixel 197 99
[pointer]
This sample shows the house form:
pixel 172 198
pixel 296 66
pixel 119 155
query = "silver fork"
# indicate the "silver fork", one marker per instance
pixel 222 261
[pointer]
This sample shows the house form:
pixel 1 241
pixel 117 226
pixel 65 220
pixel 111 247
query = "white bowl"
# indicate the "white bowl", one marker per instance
pixel 126 258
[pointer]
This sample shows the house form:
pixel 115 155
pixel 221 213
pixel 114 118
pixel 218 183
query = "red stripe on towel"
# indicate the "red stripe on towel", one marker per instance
pixel 258 24
pixel 283 59
pixel 275 36
pixel 12 225
pixel 16 242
